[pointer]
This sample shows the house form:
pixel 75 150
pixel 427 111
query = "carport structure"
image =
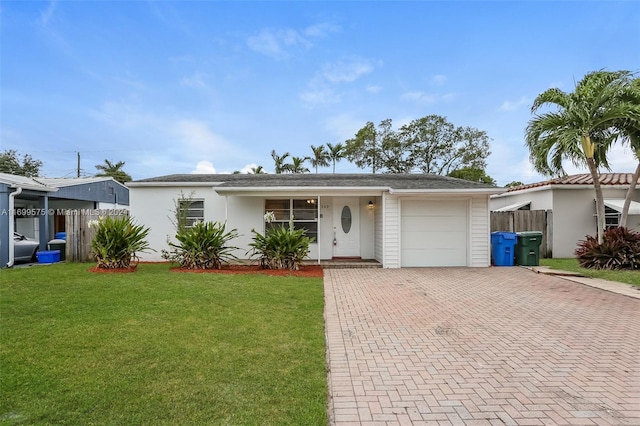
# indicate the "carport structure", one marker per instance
pixel 31 191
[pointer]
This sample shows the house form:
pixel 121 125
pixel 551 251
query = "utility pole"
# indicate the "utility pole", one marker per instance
pixel 78 174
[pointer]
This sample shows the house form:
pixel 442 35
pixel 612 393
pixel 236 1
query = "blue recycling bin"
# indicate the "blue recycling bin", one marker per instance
pixel 60 236
pixel 503 248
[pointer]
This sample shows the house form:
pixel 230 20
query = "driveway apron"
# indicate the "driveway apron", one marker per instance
pixel 479 346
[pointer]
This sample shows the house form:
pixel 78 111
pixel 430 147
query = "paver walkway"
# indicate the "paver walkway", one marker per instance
pixel 486 346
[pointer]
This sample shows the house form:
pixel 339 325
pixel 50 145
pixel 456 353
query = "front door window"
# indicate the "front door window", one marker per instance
pixel 345 218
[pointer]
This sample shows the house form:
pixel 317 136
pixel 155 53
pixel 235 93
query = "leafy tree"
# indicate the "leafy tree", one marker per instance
pixel 364 149
pixel 11 163
pixel 113 170
pixel 320 157
pixel 439 147
pixel 279 160
pixel 473 174
pixel 336 153
pixel 430 144
pixel 581 127
pixel 297 165
pixel 514 184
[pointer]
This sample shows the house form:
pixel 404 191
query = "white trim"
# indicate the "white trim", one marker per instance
pixel 618 205
pixel 513 207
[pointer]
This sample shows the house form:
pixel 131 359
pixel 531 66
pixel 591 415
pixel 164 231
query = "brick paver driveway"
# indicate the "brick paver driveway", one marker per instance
pixel 494 346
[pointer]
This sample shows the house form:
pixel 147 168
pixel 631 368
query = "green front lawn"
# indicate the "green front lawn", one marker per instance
pixel 571 265
pixel 160 347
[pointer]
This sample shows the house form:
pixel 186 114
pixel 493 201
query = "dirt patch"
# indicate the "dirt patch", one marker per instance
pixel 311 271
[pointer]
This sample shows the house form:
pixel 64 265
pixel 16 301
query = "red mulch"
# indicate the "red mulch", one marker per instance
pixel 312 271
pixel 112 270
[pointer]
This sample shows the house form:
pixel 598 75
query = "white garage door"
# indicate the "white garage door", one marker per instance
pixel 434 233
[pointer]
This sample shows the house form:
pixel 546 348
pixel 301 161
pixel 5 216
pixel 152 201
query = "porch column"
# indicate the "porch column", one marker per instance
pixel 318 228
pixel 43 234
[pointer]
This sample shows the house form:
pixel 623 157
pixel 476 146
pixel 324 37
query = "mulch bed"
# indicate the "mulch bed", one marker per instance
pixel 112 270
pixel 312 271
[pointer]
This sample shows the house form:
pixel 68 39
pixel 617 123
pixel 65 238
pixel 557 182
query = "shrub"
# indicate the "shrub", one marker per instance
pixel 117 240
pixel 202 246
pixel 620 249
pixel 281 247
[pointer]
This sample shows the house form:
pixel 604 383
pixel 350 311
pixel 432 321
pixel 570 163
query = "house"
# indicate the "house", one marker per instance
pixel 405 220
pixel 37 207
pixel 571 199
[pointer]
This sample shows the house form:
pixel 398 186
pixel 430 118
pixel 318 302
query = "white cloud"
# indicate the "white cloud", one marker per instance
pixel 204 168
pixel 325 96
pixel 439 79
pixel 420 97
pixel 514 105
pixel 195 81
pixel 248 168
pixel 346 72
pixel 276 43
pixel 273 43
pixel 47 14
pixel 320 30
pixel 198 138
pixel 374 89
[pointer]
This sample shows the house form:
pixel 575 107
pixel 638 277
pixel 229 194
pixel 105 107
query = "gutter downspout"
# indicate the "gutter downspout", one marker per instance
pixel 12 203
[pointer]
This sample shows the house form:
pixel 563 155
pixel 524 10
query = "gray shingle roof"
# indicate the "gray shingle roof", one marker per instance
pixel 394 181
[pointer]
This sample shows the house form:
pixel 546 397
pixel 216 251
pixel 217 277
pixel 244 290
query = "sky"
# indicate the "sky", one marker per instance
pixel 214 86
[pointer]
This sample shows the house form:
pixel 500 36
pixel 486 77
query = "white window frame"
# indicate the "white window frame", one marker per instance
pixel 283 216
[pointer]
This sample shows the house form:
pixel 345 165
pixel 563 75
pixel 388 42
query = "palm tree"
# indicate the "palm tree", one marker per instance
pixel 632 131
pixel 279 160
pixel 581 129
pixel 297 165
pixel 320 157
pixel 113 170
pixel 258 170
pixel 336 153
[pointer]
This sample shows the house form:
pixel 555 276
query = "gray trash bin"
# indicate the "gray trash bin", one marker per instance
pixel 59 245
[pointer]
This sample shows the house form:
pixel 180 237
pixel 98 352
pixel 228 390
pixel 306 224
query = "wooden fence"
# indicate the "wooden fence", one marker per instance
pixel 80 233
pixel 527 220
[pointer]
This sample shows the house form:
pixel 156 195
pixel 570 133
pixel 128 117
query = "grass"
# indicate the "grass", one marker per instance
pixel 571 265
pixel 157 347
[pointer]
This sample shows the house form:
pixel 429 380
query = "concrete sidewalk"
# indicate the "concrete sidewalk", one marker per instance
pixel 485 346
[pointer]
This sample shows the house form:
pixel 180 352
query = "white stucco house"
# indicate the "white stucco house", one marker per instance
pixel 572 202
pixel 399 220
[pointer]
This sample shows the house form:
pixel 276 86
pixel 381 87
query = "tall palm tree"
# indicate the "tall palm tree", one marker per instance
pixel 336 153
pixel 320 157
pixel 631 130
pixel 258 170
pixel 279 160
pixel 113 170
pixel 580 129
pixel 297 165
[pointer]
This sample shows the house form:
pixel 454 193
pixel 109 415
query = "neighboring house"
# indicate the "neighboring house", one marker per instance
pixel 40 205
pixel 398 220
pixel 85 193
pixel 572 202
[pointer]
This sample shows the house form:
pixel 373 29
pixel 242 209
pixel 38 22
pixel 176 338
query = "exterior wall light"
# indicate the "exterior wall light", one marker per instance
pixel 371 205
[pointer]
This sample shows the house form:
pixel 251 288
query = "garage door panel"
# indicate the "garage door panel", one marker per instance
pixel 431 240
pixel 434 233
pixel 420 224
pixel 435 208
pixel 439 257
